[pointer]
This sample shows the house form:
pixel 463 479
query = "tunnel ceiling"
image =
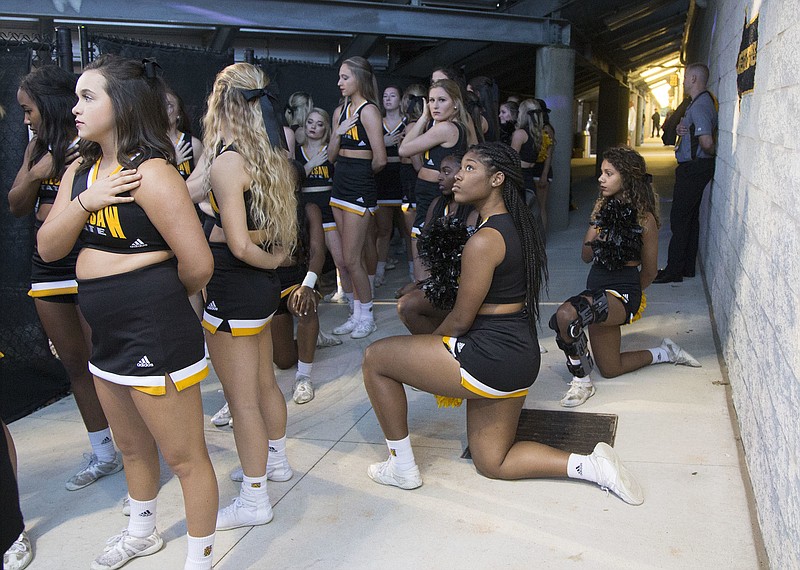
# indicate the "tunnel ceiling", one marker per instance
pixel 497 38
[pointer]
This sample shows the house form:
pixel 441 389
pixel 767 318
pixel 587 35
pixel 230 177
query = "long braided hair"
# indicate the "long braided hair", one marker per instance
pixel 499 157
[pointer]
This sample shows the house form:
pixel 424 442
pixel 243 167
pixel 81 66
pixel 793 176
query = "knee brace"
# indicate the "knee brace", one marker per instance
pixel 595 311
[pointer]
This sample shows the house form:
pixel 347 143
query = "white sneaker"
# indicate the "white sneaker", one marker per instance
pixel 239 514
pixel 94 470
pixel 578 393
pixel 677 355
pixel 335 297
pixel 222 417
pixel 379 281
pixel 120 549
pixel 542 349
pixel 126 506
pixel 391 263
pixel 303 390
pixel 19 555
pixel 386 474
pixel 346 327
pixel 325 341
pixel 613 476
pixel 364 328
pixel 279 471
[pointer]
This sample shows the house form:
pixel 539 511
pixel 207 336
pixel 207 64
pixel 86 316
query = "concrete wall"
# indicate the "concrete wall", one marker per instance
pixel 750 249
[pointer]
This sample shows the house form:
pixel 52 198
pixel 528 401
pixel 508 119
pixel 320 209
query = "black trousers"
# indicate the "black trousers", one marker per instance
pixel 9 500
pixel 691 179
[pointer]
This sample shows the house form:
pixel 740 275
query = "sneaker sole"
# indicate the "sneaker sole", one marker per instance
pixel 73 487
pixel 146 552
pixel 629 489
pixel 220 422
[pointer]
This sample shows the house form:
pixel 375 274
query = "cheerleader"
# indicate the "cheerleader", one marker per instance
pixel 251 186
pixel 485 350
pixel 388 181
pixel 142 254
pixel 47 96
pixel 358 151
pixel 188 148
pixel 441 130
pixel 622 245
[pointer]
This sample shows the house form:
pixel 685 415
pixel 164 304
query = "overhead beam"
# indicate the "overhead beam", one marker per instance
pixel 362 45
pixel 223 38
pixel 317 17
pixel 445 53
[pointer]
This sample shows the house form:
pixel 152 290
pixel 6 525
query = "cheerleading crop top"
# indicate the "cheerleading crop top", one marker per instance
pixel 394 150
pixel 320 177
pixel 121 228
pixel 433 157
pixel 48 189
pixel 185 168
pixel 248 197
pixel 356 137
pixel 508 281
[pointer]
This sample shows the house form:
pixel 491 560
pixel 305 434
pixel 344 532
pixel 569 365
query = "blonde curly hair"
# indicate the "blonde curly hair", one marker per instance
pixel 273 178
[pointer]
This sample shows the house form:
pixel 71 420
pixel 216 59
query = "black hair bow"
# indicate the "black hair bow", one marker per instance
pixel 149 66
pixel 272 121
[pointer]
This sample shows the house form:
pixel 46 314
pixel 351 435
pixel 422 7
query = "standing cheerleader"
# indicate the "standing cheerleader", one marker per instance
pixel 358 150
pixel 188 149
pixel 440 131
pixel 47 96
pixel 622 238
pixel 142 254
pixel 485 350
pixel 252 187
pixel 390 189
pixel 535 150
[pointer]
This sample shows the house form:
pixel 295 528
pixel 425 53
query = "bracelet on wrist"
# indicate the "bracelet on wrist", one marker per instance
pixel 82 206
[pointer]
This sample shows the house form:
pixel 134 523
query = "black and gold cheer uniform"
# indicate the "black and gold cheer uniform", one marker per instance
pixel 187 166
pixel 240 299
pixel 54 282
pixel 537 157
pixel 390 188
pixel 424 191
pixel 354 187
pixel 143 326
pixel 499 356
pixel 317 187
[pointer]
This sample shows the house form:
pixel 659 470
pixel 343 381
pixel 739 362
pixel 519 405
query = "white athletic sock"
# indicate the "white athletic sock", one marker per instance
pixel 357 305
pixel 401 453
pixel 380 270
pixel 254 490
pixel 660 355
pixel 277 450
pixel 587 379
pixel 143 518
pixel 366 311
pixel 339 288
pixel 581 467
pixel 103 445
pixel 304 368
pixel 200 552
pixel 411 270
pixel 350 300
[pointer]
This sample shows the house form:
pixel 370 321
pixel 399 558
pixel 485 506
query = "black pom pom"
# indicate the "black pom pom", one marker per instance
pixel 439 248
pixel 619 237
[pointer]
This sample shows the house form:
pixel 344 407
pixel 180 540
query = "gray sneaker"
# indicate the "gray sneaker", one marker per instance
pixel 303 390
pixel 677 355
pixel 325 341
pixel 120 549
pixel 93 471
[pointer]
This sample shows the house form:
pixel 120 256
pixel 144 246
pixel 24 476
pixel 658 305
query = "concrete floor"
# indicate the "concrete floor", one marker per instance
pixel 675 433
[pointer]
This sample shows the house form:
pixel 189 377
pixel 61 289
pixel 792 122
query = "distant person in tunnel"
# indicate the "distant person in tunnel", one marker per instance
pixel 695 152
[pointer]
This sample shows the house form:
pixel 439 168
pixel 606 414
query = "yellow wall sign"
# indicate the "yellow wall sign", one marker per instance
pixel 746 62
